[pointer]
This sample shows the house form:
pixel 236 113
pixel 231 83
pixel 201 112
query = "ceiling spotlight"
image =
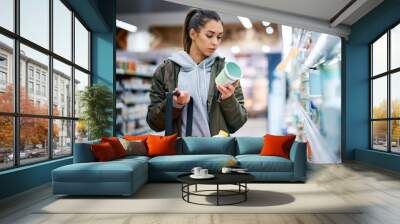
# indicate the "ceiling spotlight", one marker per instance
pixel 265 49
pixel 235 49
pixel 265 23
pixel 269 30
pixel 245 22
pixel 126 26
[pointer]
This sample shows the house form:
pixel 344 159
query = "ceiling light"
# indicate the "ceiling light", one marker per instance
pixel 265 49
pixel 245 22
pixel 265 23
pixel 126 26
pixel 269 30
pixel 235 49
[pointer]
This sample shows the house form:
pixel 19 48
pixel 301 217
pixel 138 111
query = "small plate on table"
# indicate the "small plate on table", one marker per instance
pixel 240 171
pixel 208 176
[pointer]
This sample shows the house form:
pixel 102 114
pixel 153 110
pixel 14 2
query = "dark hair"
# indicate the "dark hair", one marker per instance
pixel 195 19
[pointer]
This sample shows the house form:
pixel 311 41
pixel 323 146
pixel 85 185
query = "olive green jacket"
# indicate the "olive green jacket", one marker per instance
pixel 228 115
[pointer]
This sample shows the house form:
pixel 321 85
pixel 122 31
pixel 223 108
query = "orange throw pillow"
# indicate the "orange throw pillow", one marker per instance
pixel 103 152
pixel 116 145
pixel 161 145
pixel 136 137
pixel 277 145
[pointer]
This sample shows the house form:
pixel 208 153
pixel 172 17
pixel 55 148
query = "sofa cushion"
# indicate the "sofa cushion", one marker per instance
pixel 207 145
pixel 185 163
pixel 257 163
pixel 132 158
pixel 83 153
pixel 248 145
pixel 112 171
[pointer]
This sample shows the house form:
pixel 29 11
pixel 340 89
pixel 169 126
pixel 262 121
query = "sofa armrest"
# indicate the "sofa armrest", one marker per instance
pixel 298 156
pixel 83 152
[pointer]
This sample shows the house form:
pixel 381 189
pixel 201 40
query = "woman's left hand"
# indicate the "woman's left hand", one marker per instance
pixel 227 91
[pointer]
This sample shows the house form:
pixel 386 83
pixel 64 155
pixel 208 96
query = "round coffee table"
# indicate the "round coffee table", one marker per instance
pixel 238 179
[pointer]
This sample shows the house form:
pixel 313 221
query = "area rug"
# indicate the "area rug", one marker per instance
pixel 167 198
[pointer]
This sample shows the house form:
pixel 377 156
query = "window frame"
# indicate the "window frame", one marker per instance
pixel 388 74
pixel 16 114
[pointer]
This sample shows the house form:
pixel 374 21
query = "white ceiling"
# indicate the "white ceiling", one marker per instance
pixel 321 9
pixel 325 16
pixel 314 15
pixel 145 20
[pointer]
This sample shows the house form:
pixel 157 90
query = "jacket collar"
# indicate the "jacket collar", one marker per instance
pixel 212 89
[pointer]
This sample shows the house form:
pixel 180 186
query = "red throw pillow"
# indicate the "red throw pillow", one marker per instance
pixel 116 145
pixel 277 145
pixel 103 152
pixel 161 145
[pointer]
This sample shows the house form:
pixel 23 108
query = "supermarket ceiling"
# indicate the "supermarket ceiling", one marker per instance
pixel 148 6
pixel 326 16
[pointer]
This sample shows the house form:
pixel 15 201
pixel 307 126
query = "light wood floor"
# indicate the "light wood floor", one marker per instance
pixel 377 188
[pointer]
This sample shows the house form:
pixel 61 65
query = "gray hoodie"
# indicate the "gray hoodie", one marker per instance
pixel 195 78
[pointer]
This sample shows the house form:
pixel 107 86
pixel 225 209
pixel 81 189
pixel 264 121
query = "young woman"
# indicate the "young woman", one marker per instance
pixel 192 73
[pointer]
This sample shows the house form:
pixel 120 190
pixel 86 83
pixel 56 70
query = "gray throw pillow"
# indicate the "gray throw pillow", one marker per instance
pixel 135 147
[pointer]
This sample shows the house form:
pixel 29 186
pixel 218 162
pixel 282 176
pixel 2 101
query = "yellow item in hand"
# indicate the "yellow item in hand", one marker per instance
pixel 231 163
pixel 223 133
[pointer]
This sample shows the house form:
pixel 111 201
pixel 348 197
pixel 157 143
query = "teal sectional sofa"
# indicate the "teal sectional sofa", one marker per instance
pixel 125 176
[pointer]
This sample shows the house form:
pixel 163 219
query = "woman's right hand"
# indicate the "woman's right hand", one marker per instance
pixel 182 99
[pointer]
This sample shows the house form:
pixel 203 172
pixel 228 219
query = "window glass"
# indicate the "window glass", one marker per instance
pixel 6 142
pixel 379 98
pixel 34 143
pixel 395 47
pixel 62 138
pixel 62 91
pixel 379 56
pixel 7 14
pixel 34 80
pixel 62 29
pixel 379 135
pixel 81 131
pixel 395 136
pixel 6 74
pixel 81 82
pixel 34 21
pixel 81 45
pixel 395 95
pixel 39 62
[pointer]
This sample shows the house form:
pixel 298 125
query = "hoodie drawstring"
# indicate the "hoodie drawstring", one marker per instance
pixel 198 81
pixel 204 75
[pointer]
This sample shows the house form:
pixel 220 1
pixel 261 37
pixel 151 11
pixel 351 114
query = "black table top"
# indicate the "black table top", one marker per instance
pixel 220 178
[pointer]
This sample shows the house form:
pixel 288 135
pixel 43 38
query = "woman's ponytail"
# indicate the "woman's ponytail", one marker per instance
pixel 187 41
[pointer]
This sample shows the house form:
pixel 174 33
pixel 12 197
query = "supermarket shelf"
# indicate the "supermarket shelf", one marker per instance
pixel 134 118
pixel 135 88
pixel 140 131
pixel 136 102
pixel 134 73
pixel 127 74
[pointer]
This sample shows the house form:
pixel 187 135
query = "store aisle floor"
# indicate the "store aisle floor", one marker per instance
pixel 253 127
